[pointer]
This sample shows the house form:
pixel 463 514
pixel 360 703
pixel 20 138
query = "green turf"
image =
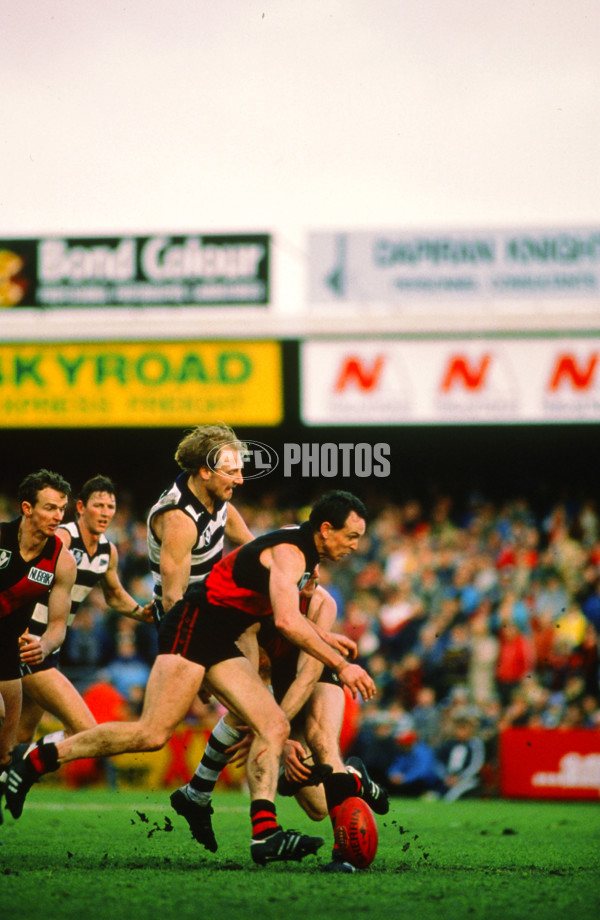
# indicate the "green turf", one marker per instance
pixel 99 854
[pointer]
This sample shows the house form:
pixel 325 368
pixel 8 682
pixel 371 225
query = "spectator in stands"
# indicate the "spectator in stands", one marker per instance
pixel 414 771
pixel 87 644
pixel 456 658
pixel 462 757
pixel 590 597
pixel 481 675
pixel 515 660
pixel 552 596
pixel 427 716
pixel 127 671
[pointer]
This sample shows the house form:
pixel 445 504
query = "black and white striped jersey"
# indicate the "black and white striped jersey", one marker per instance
pixel 210 528
pixel 90 570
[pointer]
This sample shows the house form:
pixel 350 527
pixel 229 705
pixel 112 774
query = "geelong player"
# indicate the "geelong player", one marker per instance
pixel 187 528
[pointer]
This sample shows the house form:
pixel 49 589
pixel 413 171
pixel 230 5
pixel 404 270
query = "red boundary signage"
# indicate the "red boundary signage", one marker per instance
pixel 538 763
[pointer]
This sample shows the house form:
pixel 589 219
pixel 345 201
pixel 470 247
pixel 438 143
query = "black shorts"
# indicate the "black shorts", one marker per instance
pixel 11 627
pixel 283 673
pixel 50 662
pixel 201 632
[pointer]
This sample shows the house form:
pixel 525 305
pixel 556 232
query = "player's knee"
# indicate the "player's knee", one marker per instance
pixel 151 737
pixel 81 725
pixel 278 729
pixel 314 812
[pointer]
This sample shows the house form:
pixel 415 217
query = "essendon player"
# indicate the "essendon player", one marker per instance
pixel 198 636
pixel 32 569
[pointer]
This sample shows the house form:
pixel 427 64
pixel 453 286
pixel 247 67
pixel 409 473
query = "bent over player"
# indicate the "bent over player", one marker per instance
pixel 313 700
pixel 198 637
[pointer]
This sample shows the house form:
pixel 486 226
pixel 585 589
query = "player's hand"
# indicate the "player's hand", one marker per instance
pixel 30 649
pixel 146 615
pixel 293 757
pixel 357 680
pixel 342 644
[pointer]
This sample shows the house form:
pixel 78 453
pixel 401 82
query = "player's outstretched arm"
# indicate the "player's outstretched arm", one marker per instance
pixel 286 565
pixel 115 594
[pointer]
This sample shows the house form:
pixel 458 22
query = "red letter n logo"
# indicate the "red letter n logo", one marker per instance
pixel 567 371
pixel 460 372
pixel 355 373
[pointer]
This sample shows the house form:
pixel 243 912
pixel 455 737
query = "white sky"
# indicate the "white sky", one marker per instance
pixel 123 116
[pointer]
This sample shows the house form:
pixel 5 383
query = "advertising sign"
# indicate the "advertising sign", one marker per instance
pixel 135 270
pixel 113 384
pixel 538 763
pixel 449 381
pixel 400 267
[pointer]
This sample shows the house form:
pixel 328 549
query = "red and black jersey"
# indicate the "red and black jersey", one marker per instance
pixel 22 583
pixel 277 647
pixel 240 580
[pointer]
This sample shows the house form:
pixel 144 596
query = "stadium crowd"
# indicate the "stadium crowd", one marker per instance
pixel 470 620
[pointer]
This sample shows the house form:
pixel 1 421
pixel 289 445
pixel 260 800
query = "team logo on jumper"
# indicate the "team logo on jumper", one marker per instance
pixel 40 576
pixel 5 555
pixel 78 554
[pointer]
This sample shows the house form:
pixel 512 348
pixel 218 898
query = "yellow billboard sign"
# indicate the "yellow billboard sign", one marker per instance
pixel 149 384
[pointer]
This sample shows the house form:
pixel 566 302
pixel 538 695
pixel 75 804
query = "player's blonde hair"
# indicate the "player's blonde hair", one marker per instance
pixel 201 446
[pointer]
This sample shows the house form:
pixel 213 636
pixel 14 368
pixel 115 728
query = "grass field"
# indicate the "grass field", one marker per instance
pixel 123 856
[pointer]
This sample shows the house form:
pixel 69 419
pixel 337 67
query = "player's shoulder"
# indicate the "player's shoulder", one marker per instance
pixel 68 532
pixel 66 563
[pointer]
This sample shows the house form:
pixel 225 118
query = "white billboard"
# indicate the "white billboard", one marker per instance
pixel 449 381
pixel 409 267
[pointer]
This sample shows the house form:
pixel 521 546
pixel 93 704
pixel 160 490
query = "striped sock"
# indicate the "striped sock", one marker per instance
pixel 264 819
pixel 44 758
pixel 52 738
pixel 214 760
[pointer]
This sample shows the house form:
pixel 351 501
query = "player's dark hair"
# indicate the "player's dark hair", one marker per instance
pixel 96 484
pixel 35 482
pixel 201 447
pixel 334 507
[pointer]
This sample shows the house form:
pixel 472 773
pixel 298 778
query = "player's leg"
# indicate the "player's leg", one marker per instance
pixel 51 691
pixel 172 685
pixel 323 725
pixel 324 718
pixel 239 684
pixel 10 709
pixel 193 800
pixel 31 714
pixel 225 733
pixel 11 693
